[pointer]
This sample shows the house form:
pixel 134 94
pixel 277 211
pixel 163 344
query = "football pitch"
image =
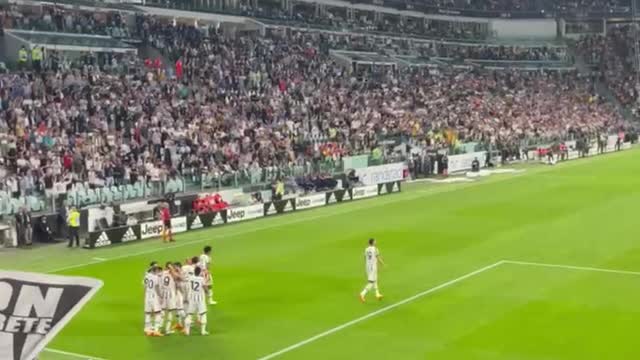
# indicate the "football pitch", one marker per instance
pixel 542 264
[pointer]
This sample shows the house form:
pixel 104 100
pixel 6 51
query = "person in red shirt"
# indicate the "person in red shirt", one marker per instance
pixel 179 69
pixel 165 216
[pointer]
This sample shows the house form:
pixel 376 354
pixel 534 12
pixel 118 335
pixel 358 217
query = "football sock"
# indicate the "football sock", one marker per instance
pixel 147 322
pixel 180 317
pixel 203 323
pixel 375 287
pixel 366 289
pixel 158 322
pixel 187 324
pixel 168 321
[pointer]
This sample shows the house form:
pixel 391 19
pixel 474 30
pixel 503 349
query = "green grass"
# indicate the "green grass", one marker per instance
pixel 281 281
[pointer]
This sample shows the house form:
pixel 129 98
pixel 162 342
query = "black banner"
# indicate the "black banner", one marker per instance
pixel 388 188
pixel 113 236
pixel 279 206
pixel 336 196
pixel 206 220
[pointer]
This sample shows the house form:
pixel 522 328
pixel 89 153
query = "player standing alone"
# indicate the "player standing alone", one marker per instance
pixel 197 302
pixel 165 216
pixel 372 258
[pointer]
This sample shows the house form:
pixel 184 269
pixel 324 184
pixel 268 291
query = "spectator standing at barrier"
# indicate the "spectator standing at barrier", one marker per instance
pixel 23 227
pixel 278 190
pixel 23 58
pixel 73 223
pixel 36 58
pixel 41 231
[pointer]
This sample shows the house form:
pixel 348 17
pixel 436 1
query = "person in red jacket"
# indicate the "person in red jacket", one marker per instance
pixel 165 216
pixel 179 69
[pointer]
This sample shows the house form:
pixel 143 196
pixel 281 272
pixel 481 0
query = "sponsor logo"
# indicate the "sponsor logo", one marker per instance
pixel 150 229
pixel 179 224
pixel 103 240
pixel 196 224
pixel 35 307
pixel 129 235
pixel 310 201
pixel 235 215
pixel 218 220
pixel 272 209
pixel 245 213
pixel 303 203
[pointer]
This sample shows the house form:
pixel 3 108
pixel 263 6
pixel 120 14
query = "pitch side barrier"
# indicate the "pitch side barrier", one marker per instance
pixel 146 230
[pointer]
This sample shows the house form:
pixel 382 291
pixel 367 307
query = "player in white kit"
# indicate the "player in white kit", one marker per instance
pixel 168 295
pixel 205 263
pixel 152 309
pixel 197 302
pixel 181 283
pixel 372 258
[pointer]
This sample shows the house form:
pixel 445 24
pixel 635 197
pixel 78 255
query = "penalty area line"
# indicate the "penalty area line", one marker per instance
pixel 74 355
pixel 379 312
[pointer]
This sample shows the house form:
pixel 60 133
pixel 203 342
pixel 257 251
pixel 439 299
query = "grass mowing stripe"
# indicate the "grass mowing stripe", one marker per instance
pixel 572 267
pixel 79 356
pixel 380 311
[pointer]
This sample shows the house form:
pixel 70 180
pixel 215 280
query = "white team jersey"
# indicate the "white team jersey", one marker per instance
pixel 188 270
pixel 151 284
pixel 197 302
pixel 204 261
pixel 371 260
pixel 167 285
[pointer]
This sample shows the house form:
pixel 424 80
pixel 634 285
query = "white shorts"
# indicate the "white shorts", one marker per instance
pixel 197 307
pixel 372 276
pixel 168 301
pixel 152 305
pixel 179 301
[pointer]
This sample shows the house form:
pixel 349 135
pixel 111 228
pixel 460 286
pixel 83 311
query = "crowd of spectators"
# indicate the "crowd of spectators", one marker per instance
pixel 614 58
pixel 235 105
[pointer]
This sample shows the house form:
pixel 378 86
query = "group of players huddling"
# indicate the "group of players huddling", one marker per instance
pixel 176 294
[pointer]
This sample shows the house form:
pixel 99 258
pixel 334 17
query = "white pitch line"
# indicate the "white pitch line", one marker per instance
pixel 79 356
pixel 380 311
pixel 99 259
pixel 572 267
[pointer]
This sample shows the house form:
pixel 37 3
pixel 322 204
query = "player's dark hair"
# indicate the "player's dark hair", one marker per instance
pixel 207 249
pixel 197 271
pixel 153 263
pixel 177 263
pixel 194 260
pixel 167 265
pixel 371 241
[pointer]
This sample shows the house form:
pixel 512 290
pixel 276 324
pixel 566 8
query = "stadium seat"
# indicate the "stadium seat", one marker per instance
pixel 34 203
pixel 92 197
pixel 117 194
